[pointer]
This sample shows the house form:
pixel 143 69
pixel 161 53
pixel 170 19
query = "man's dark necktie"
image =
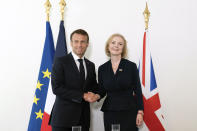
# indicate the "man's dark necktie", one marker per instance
pixel 82 71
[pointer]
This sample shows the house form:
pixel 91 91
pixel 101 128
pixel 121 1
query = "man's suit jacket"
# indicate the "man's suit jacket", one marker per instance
pixel 69 92
pixel 120 86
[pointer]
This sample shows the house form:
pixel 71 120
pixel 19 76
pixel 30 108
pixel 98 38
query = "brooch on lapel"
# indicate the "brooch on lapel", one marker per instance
pixel 120 69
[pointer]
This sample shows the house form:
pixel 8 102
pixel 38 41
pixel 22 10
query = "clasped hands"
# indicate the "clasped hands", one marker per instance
pixel 91 97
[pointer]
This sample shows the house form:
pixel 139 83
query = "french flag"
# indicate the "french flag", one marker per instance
pixel 153 118
pixel 44 97
pixel 61 50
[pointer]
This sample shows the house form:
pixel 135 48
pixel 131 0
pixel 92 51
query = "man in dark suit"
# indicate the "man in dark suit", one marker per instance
pixel 74 84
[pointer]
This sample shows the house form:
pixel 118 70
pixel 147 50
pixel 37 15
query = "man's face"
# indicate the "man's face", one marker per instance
pixel 79 44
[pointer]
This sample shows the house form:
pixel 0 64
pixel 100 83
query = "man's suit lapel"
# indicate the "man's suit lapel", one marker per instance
pixel 73 64
pixel 87 67
pixel 88 72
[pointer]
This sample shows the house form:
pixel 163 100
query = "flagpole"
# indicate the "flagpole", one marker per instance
pixel 62 6
pixel 146 14
pixel 48 7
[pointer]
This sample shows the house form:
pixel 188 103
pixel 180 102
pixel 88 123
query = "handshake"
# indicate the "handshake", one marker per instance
pixel 91 97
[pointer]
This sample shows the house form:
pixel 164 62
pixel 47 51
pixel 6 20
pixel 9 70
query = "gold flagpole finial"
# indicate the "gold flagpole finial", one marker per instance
pixel 62 6
pixel 146 14
pixel 48 7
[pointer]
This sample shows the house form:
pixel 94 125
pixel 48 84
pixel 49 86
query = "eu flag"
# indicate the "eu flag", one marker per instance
pixel 43 82
pixel 61 50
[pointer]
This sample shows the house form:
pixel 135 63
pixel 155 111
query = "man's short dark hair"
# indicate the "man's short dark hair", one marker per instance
pixel 81 32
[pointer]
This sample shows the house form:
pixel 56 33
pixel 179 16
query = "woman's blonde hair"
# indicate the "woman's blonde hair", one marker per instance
pixel 124 50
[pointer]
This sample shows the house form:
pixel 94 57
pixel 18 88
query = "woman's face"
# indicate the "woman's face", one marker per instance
pixel 116 46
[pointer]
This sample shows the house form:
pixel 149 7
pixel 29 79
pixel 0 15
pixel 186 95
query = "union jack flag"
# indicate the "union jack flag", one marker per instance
pixel 153 118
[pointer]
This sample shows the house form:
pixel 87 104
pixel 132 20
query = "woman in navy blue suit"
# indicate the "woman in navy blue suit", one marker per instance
pixel 119 82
